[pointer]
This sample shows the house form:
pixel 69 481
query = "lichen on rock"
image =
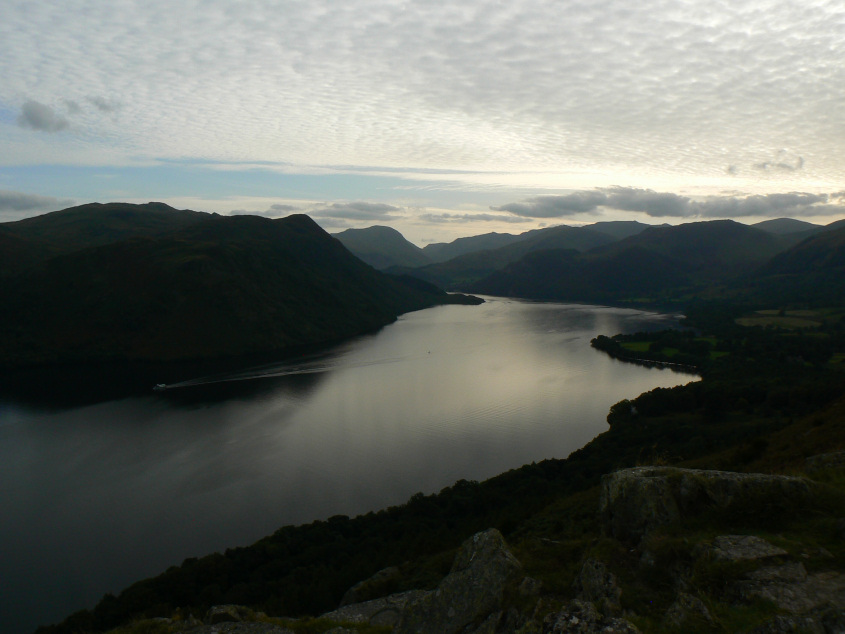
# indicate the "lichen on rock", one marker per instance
pixel 469 598
pixel 634 502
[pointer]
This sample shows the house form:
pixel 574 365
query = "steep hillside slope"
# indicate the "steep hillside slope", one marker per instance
pixel 812 272
pixel 382 247
pixel 223 286
pixel 463 271
pixel 648 266
pixel 443 252
pixel 98 224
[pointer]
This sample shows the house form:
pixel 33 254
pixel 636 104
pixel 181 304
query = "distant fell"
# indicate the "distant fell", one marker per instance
pixel 463 271
pixel 652 266
pixel 619 229
pixel 442 251
pixel 810 273
pixel 782 226
pixel 382 247
pixel 714 249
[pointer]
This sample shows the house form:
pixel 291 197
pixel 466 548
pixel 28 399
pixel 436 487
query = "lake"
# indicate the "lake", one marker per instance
pixel 97 496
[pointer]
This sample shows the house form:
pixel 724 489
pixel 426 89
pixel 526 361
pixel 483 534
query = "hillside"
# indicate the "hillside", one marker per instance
pixel 208 286
pixel 465 270
pixel 97 224
pixel 654 265
pixel 382 247
pixel 443 251
pixel 812 273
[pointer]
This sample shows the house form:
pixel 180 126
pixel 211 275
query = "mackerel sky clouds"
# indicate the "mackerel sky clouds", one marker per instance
pixel 439 118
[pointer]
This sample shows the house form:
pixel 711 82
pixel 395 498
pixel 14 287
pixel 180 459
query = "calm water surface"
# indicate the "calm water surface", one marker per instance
pixel 99 496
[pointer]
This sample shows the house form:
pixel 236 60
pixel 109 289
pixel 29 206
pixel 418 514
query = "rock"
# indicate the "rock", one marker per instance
pixel 228 614
pixel 787 573
pixel 840 528
pixel 636 501
pixel 581 617
pixel 791 592
pixel 742 548
pixel 530 587
pixel 835 460
pixel 242 628
pixel 686 608
pixel 383 611
pixel 376 586
pixel 595 584
pixel 469 598
pixel 824 620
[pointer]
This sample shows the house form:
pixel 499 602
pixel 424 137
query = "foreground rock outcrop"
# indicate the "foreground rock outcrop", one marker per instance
pixel 635 502
pixel 655 569
pixel 469 599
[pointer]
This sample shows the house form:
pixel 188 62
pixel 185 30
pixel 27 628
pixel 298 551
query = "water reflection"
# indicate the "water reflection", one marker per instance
pixel 131 486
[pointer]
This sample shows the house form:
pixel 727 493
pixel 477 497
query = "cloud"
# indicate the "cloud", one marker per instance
pixel 37 116
pixel 357 211
pixel 465 218
pixel 104 105
pixel 284 208
pixel 669 205
pixel 478 93
pixel 556 206
pixel 784 161
pixel 792 204
pixel 21 202
pixel 274 211
pixel 655 204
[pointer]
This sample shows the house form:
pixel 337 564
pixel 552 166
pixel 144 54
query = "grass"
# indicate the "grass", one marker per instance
pixel 300 626
pixel 779 322
pixel 636 346
pixel 798 319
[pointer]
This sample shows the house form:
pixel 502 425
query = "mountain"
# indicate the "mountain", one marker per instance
pixel 382 247
pixel 219 286
pixel 442 252
pixel 652 264
pixel 782 226
pixel 619 229
pixel 463 271
pixel 98 224
pixel 715 249
pixel 812 272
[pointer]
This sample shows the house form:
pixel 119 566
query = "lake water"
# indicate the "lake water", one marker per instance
pixel 95 497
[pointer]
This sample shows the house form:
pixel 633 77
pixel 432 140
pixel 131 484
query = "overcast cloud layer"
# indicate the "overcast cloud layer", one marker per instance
pixel 691 98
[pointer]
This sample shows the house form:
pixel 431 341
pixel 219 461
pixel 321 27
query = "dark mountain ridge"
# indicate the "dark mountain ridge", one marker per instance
pixel 444 251
pixel 649 266
pixel 210 287
pixel 382 247
pixel 96 224
pixel 465 270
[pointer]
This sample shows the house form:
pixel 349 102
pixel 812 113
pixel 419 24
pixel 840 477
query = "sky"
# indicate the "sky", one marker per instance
pixel 440 119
